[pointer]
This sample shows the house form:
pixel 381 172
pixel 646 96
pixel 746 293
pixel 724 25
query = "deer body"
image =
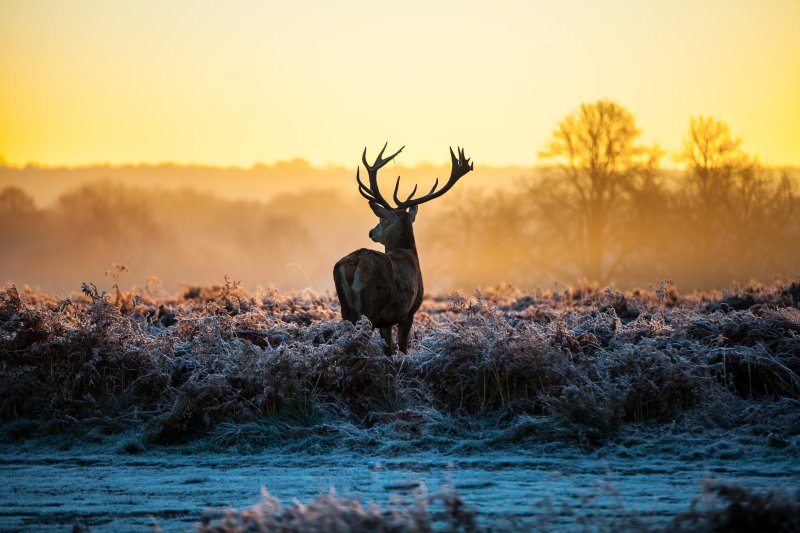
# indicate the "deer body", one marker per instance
pixel 387 287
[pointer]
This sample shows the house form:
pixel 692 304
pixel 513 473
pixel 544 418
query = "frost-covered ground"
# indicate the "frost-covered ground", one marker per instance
pixel 535 410
pixel 638 481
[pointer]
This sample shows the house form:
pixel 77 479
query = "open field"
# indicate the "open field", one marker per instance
pixel 585 383
pixel 590 212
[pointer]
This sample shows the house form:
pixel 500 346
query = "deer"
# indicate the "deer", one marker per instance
pixel 387 287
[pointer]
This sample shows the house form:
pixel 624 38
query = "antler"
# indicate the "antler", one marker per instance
pixel 372 193
pixel 460 166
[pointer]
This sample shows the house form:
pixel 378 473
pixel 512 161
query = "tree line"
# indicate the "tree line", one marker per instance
pixel 606 210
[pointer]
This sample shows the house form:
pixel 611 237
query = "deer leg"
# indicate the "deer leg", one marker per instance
pixel 403 330
pixel 344 294
pixel 386 334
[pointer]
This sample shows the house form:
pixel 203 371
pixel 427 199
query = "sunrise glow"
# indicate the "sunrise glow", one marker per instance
pixel 243 82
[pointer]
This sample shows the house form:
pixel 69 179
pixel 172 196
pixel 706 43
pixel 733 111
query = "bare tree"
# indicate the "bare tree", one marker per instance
pixel 14 201
pixel 583 205
pixel 737 211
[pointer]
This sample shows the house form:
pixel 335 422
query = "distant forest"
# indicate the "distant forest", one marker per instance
pixel 601 207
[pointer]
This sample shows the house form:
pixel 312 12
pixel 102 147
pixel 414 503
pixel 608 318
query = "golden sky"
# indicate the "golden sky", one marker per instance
pixel 239 82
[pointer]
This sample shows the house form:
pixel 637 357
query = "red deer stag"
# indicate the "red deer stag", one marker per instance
pixel 387 287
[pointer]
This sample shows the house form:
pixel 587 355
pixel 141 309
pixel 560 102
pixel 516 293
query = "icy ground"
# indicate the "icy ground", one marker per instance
pixel 562 486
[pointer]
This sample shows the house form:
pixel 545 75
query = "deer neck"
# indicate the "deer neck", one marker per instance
pixel 402 240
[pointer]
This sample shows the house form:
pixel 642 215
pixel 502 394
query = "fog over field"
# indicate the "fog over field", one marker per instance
pixel 286 225
pixel 283 225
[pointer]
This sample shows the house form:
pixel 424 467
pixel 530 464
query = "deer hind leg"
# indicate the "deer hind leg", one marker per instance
pixel 403 331
pixel 344 290
pixel 386 334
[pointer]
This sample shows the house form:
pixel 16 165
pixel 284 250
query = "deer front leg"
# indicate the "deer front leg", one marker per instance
pixel 403 330
pixel 386 334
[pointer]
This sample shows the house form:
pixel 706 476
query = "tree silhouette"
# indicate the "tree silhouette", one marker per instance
pixel 15 201
pixel 584 205
pixel 737 210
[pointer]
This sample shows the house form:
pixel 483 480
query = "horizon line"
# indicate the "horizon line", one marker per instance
pixel 296 161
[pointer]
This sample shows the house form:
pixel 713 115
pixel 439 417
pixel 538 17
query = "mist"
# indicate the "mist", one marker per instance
pixel 173 227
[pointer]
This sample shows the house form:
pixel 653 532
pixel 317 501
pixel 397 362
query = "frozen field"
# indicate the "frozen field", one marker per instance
pixel 544 411
pixel 551 487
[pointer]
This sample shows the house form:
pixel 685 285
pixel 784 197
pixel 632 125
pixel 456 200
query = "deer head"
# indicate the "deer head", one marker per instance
pixel 392 222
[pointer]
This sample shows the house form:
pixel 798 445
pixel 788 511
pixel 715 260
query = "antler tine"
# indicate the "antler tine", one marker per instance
pixel 461 165
pixel 379 161
pixel 396 187
pixel 380 154
pixel 363 189
pixel 364 158
pixel 410 196
pixel 372 171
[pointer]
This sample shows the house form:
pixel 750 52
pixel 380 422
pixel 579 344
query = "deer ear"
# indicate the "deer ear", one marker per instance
pixel 380 212
pixel 412 212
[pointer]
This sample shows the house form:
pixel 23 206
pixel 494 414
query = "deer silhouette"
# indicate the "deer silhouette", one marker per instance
pixel 387 287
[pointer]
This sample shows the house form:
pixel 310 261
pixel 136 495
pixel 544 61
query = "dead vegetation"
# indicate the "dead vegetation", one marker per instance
pixel 720 507
pixel 236 366
pixel 331 513
pixel 726 507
